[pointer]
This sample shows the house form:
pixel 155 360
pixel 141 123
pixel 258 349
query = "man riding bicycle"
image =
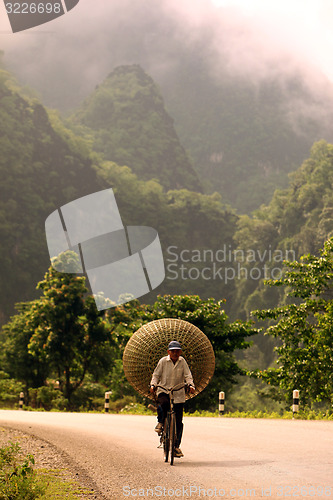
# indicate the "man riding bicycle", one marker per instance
pixel 170 371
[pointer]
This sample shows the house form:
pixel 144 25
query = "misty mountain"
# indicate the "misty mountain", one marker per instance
pixel 44 165
pixel 244 138
pixel 246 111
pixel 126 117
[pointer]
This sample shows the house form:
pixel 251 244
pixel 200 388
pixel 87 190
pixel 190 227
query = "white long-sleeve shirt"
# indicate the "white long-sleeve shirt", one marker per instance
pixel 170 374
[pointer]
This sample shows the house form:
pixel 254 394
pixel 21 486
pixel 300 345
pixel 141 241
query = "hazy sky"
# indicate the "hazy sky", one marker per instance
pixel 252 37
pixel 299 26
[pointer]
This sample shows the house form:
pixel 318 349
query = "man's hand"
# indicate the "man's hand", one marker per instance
pixel 152 389
pixel 190 389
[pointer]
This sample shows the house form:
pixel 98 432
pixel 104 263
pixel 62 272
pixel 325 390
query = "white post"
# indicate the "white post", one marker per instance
pixel 221 403
pixel 107 401
pixel 295 401
pixel 21 403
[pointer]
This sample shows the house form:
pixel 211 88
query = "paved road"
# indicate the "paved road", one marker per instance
pixel 224 458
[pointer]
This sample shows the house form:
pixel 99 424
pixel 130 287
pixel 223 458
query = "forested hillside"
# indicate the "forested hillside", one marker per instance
pixel 41 167
pixel 44 165
pixel 297 221
pixel 126 119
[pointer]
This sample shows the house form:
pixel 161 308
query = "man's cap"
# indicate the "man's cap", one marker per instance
pixel 174 345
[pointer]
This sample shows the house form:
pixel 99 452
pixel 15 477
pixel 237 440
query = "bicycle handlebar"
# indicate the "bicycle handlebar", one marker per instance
pixel 172 389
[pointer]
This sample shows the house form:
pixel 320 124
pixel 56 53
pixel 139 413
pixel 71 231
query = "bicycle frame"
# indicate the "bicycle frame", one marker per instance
pixel 169 434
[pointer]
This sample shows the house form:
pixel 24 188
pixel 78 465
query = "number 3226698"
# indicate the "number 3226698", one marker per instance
pixel 33 8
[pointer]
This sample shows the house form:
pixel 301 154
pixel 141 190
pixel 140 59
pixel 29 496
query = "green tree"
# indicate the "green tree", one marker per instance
pixel 20 363
pixel 9 389
pixel 62 333
pixel 304 329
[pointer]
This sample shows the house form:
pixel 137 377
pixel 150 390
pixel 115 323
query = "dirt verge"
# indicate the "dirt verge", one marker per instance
pixel 47 456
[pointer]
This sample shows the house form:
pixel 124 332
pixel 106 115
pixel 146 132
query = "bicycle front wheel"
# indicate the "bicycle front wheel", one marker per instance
pixel 173 437
pixel 166 439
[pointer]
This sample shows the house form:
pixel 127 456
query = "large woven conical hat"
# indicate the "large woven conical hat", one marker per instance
pixel 149 344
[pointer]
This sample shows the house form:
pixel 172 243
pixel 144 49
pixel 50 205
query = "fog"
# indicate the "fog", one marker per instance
pixel 66 58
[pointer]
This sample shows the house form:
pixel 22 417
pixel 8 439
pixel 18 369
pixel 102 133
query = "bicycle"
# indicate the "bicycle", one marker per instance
pixel 168 436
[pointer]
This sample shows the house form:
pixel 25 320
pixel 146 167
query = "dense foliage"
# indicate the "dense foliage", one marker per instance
pixel 186 222
pixel 304 330
pixel 61 334
pixel 297 221
pixel 62 337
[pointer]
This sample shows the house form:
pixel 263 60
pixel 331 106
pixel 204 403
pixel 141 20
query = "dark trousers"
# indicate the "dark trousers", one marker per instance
pixel 162 410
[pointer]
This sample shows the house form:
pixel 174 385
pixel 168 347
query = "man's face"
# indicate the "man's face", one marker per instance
pixel 174 354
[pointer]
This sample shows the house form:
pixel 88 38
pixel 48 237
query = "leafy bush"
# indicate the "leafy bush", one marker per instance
pixel 89 397
pixel 17 477
pixel 136 409
pixel 9 390
pixel 47 398
pixel 118 405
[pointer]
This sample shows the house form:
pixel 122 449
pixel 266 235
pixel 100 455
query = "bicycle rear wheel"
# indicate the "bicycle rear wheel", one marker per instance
pixel 173 437
pixel 166 439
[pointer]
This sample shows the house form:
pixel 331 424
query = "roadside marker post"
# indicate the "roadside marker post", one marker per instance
pixel 221 403
pixel 21 403
pixel 295 401
pixel 107 401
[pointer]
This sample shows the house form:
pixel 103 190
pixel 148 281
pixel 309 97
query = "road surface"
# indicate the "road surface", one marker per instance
pixel 224 457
